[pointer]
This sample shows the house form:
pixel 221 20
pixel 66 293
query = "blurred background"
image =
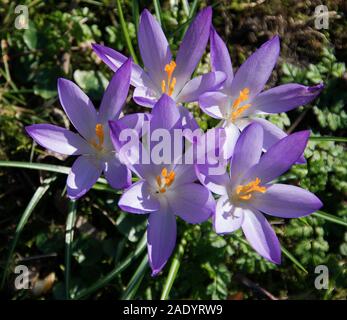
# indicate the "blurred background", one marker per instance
pixel 108 256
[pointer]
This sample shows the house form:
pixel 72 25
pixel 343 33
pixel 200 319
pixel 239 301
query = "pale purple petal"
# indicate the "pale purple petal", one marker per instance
pixel 117 174
pixel 58 139
pixel 247 152
pixel 261 236
pixel 199 85
pixel 192 202
pixel 217 183
pixel 285 97
pixel 215 104
pixel 227 218
pixel 188 120
pixel 232 135
pixel 256 70
pixel 220 59
pixel 115 60
pixel 192 47
pixel 84 173
pixel 154 48
pixel 273 134
pixel 138 198
pixel 184 173
pixel 161 238
pixel 145 96
pixel 115 94
pixel 280 157
pixel 286 201
pixel 78 107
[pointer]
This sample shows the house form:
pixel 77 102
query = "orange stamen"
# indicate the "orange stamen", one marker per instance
pixel 171 82
pixel 236 109
pixel 99 132
pixel 165 180
pixel 245 192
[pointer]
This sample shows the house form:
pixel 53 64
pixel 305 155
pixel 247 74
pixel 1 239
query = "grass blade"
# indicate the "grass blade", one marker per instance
pixel 335 139
pixel 330 217
pixel 122 266
pixel 157 9
pixel 175 265
pixel 136 14
pixel 69 233
pixel 192 11
pixel 125 32
pixel 293 259
pixel 41 166
pixel 136 280
pixel 39 193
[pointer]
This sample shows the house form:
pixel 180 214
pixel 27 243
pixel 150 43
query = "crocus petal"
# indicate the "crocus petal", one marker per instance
pixel 280 157
pixel 215 104
pixel 281 200
pixel 272 134
pixel 184 173
pixel 220 58
pixel 154 48
pixel 199 85
pixel 115 94
pixel 165 114
pixel 227 218
pixel 145 96
pixel 78 107
pixel 261 236
pixel 285 97
pixel 217 183
pixel 84 173
pixel 232 135
pixel 256 70
pixel 161 238
pixel 117 174
pixel 58 139
pixel 247 152
pixel 115 60
pixel 192 47
pixel 188 120
pixel 194 209
pixel 139 199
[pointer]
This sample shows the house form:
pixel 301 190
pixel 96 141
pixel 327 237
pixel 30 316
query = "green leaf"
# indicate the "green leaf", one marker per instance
pixel 293 259
pixel 157 9
pixel 336 139
pixel 118 269
pixel 136 280
pixel 330 217
pixel 126 32
pixel 30 36
pixel 69 233
pixel 39 193
pixel 93 83
pixel 175 265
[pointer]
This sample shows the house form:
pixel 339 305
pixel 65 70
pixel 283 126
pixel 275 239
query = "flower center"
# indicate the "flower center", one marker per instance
pixel 165 180
pixel 245 192
pixel 169 87
pixel 99 141
pixel 236 109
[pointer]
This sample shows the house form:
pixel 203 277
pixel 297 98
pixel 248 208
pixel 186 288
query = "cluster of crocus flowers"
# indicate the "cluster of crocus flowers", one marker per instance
pixel 170 189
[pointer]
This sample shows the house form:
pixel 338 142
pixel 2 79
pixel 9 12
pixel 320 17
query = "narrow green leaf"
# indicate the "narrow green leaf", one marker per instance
pixel 192 11
pixel 39 193
pixel 336 139
pixel 41 166
pixel 330 217
pixel 136 14
pixel 293 259
pixel 136 280
pixel 119 268
pixel 157 9
pixel 175 265
pixel 69 233
pixel 125 32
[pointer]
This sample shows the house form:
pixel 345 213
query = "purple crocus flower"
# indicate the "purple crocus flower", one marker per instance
pixel 162 74
pixel 164 190
pixel 241 98
pixel 92 142
pixel 249 189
